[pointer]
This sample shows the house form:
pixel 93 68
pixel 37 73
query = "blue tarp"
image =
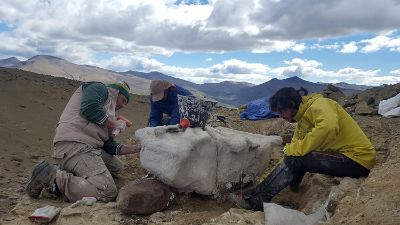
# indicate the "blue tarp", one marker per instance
pixel 258 110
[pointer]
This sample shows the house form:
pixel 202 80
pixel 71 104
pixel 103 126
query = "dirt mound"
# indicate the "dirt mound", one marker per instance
pixel 32 104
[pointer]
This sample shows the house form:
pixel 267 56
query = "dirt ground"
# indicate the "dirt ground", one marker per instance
pixel 31 106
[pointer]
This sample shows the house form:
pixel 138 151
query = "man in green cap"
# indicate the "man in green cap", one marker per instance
pixel 84 148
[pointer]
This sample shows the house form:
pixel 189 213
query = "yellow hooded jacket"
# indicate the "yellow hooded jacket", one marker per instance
pixel 323 125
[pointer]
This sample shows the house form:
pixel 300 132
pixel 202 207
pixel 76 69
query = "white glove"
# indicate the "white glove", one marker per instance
pixel 121 127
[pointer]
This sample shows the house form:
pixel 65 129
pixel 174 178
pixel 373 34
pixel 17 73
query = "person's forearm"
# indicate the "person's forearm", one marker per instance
pixel 125 150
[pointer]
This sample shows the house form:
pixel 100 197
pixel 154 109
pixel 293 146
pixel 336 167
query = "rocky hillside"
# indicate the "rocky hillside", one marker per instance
pixel 57 67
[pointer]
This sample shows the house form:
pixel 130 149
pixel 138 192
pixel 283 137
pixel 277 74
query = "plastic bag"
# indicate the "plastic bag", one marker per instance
pixel 390 107
pixel 44 214
pixel 278 215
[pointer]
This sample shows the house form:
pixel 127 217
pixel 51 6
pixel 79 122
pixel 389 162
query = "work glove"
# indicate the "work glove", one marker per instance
pixel 120 127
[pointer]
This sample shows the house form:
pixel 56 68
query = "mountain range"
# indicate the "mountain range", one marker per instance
pixel 10 62
pixel 50 65
pixel 227 92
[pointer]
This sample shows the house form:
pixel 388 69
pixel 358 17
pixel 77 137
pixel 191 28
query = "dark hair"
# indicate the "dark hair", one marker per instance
pixel 286 98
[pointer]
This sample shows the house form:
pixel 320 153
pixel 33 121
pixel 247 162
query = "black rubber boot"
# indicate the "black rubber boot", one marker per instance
pixel 54 189
pixel 238 201
pixel 43 175
pixel 277 180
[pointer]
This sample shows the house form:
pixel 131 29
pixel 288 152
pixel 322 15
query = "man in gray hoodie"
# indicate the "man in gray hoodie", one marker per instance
pixel 84 148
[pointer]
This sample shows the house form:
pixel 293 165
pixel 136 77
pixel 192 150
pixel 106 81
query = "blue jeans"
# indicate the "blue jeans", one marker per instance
pixel 292 170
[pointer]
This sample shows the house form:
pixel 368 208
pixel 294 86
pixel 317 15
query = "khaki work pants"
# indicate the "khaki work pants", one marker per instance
pixel 84 171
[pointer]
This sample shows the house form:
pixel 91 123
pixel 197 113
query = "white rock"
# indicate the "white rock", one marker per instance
pixel 204 161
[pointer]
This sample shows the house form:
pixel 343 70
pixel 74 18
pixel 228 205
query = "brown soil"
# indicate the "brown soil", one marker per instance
pixel 32 104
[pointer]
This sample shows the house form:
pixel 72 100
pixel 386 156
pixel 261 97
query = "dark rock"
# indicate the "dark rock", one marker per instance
pixel 334 93
pixel 145 196
pixel 362 108
pixel 370 101
pixel 333 88
pixel 349 103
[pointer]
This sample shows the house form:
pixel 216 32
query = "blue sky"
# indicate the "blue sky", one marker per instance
pixel 213 41
pixel 4 28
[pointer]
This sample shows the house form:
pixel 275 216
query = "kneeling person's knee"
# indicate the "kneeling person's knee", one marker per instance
pixel 107 190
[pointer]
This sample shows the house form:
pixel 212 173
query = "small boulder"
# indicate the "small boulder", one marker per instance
pixel 145 196
pixel 370 101
pixel 334 93
pixel 362 108
pixel 349 102
pixel 333 88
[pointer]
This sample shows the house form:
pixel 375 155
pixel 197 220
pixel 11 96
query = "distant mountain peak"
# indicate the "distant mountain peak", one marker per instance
pixel 48 57
pixel 156 72
pixel 294 78
pixel 345 85
pixel 13 59
pixel 11 62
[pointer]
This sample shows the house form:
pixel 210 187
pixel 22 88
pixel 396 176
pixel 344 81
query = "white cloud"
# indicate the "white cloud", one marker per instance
pixel 256 73
pixel 356 74
pixel 209 59
pixel 11 45
pixel 74 52
pixel 268 46
pixel 397 72
pixel 127 62
pixel 234 66
pixel 310 69
pixel 349 48
pixel 380 42
pixel 322 19
pixel 379 80
pixel 322 47
pixel 298 67
pixel 161 27
pixel 304 63
pixel 229 70
pixel 299 48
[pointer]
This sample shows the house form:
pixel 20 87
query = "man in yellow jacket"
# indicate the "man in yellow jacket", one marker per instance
pixel 327 140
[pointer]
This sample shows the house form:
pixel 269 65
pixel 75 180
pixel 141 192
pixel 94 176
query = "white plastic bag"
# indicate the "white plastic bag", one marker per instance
pixel 89 201
pixel 44 214
pixel 390 107
pixel 278 215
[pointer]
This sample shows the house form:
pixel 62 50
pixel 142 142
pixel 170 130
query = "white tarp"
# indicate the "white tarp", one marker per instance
pixel 278 215
pixel 390 107
pixel 204 161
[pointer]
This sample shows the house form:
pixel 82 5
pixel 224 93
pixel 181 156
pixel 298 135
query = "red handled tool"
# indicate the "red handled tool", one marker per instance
pixel 127 123
pixel 183 124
